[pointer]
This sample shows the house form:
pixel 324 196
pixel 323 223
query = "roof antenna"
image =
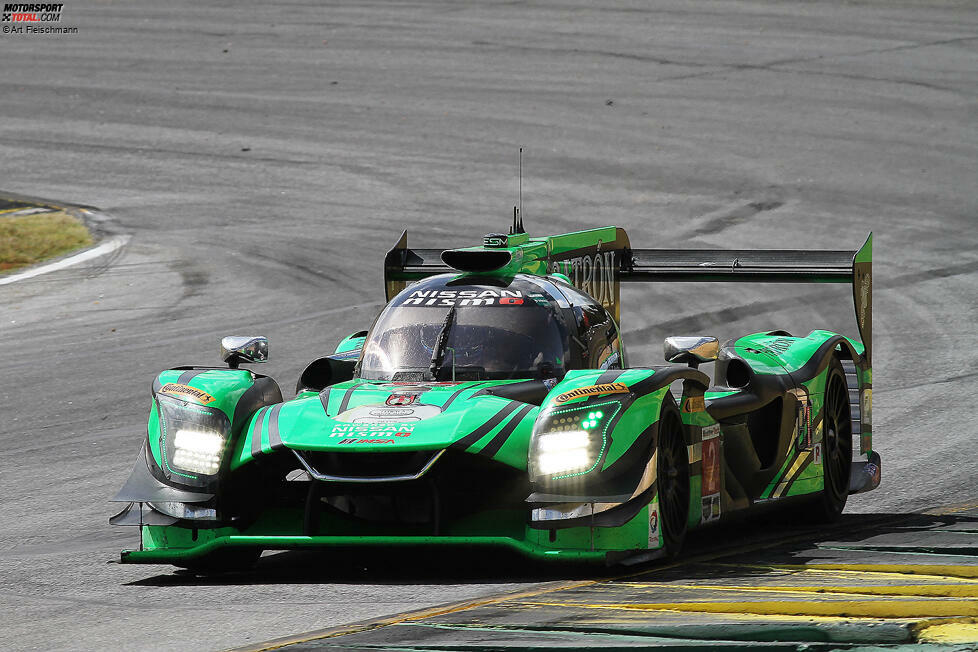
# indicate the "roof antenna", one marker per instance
pixel 521 180
pixel 520 226
pixel 518 210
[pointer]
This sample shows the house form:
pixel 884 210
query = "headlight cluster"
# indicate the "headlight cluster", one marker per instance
pixel 198 451
pixel 570 441
pixel 192 440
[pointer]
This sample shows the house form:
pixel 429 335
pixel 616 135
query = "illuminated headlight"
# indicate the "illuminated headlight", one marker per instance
pixel 192 440
pixel 569 441
pixel 198 451
pixel 563 452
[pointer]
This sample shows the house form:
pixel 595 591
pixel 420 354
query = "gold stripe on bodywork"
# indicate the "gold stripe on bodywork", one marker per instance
pixel 789 477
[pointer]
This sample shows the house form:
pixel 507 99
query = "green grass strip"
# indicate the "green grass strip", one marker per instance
pixel 30 239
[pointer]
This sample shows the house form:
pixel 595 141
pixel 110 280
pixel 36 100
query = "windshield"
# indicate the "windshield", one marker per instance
pixel 468 332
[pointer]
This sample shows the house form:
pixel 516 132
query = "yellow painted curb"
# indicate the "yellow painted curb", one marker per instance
pixel 836 608
pixel 917 590
pixel 952 633
pixel 936 570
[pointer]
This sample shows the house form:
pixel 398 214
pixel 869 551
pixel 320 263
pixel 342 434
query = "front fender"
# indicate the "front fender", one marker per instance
pixel 630 403
pixel 224 399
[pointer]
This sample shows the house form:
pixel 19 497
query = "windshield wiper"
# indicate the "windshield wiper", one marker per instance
pixel 438 353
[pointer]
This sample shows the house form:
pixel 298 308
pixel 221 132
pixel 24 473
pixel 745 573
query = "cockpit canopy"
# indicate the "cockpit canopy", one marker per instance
pixel 464 327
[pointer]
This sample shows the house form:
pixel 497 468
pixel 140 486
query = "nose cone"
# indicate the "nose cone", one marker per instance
pixel 378 417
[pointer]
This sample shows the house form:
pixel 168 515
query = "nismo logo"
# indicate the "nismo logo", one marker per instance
pixel 592 390
pixel 176 389
pixel 487 297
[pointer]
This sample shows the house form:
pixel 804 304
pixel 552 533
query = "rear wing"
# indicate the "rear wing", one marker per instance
pixel 765 266
pixel 598 260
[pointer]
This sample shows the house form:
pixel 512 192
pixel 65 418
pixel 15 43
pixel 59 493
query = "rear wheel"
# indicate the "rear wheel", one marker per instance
pixel 836 444
pixel 672 480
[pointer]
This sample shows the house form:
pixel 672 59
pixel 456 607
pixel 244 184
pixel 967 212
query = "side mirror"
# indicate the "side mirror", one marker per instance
pixel 691 350
pixel 236 349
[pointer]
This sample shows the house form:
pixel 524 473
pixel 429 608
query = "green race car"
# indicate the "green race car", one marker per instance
pixel 491 404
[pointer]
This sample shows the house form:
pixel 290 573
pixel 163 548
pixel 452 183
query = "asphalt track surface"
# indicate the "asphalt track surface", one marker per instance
pixel 264 157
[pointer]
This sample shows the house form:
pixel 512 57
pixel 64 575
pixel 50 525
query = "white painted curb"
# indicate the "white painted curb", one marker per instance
pixel 104 248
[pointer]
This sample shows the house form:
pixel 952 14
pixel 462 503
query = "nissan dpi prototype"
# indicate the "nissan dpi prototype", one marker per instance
pixel 491 403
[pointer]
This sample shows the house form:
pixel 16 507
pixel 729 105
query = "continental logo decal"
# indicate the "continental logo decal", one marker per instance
pixel 176 389
pixel 694 404
pixel 592 390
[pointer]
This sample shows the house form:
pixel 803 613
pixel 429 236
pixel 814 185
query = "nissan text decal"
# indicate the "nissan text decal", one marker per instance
pixel 487 297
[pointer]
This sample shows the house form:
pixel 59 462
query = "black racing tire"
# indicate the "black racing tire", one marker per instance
pixel 836 445
pixel 672 479
pixel 226 560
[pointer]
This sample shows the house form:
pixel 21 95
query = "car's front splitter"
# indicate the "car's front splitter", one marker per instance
pixel 175 555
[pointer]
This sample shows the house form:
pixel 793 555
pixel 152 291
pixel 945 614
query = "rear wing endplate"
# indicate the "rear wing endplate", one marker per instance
pixel 403 266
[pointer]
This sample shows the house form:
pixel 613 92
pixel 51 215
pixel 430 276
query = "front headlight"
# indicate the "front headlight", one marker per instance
pixel 562 452
pixel 198 451
pixel 570 441
pixel 192 440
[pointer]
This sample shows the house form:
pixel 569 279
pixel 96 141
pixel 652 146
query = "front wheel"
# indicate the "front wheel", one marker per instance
pixel 672 480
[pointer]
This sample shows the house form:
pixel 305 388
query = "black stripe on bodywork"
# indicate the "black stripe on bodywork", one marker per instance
pixel 663 376
pixel 497 442
pixel 187 376
pixel 324 399
pixel 487 427
pixel 251 400
pixel 636 454
pixel 533 392
pixel 256 434
pixel 346 398
pixel 274 438
pixel 456 394
pixel 609 376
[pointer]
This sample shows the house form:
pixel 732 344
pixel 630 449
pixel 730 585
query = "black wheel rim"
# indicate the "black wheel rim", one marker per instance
pixel 673 481
pixel 837 438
